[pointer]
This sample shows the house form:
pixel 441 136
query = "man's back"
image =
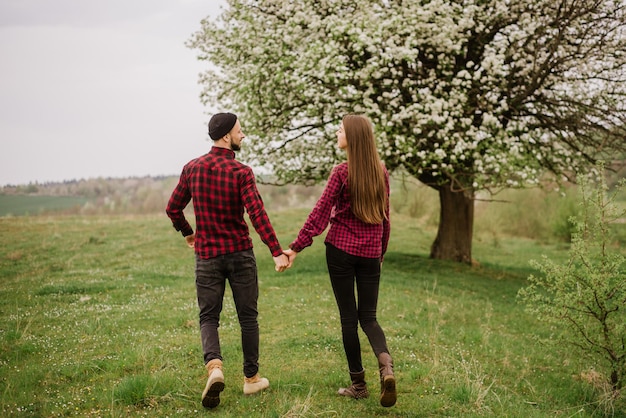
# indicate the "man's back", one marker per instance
pixel 216 182
pixel 221 189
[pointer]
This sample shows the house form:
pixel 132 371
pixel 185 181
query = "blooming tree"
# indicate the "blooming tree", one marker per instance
pixel 465 95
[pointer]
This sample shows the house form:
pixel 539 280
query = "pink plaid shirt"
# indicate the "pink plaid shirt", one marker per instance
pixel 347 232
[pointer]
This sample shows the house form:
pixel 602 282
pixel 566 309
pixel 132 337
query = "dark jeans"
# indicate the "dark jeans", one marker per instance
pixel 344 270
pixel 211 274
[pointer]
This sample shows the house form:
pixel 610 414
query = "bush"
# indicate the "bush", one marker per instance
pixel 586 296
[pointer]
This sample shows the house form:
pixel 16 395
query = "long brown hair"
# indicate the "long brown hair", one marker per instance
pixel 366 177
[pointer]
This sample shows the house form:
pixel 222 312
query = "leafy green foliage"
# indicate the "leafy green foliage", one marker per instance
pixel 585 297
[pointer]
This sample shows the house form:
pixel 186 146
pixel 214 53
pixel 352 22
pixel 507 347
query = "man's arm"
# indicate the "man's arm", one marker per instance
pixel 256 211
pixel 261 222
pixel 178 201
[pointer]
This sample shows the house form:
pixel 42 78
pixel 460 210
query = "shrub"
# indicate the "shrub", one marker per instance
pixel 586 296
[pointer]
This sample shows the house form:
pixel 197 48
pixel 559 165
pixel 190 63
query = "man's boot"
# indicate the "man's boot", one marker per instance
pixel 387 380
pixel 214 385
pixel 254 384
pixel 358 390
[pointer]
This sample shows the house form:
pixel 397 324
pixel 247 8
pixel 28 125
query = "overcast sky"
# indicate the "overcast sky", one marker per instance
pixel 99 88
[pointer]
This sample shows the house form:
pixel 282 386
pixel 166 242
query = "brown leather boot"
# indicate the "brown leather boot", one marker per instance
pixel 387 380
pixel 358 389
pixel 214 385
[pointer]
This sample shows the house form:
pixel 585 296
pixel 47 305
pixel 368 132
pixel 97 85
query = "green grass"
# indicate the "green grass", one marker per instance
pixel 18 205
pixel 98 318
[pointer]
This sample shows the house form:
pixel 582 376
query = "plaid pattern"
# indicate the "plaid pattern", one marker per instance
pixel 220 188
pixel 347 232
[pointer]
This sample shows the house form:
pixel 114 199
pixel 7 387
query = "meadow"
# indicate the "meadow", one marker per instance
pixel 19 205
pixel 98 318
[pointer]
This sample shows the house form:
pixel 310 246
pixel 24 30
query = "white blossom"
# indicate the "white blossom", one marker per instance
pixel 291 70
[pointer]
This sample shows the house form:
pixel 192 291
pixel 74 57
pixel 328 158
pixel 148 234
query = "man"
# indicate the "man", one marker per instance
pixel 221 188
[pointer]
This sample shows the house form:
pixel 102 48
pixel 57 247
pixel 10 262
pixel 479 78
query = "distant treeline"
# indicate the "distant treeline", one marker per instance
pixel 132 195
pixel 533 213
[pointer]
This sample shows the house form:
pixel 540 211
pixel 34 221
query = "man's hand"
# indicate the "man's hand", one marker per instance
pixel 191 240
pixel 281 263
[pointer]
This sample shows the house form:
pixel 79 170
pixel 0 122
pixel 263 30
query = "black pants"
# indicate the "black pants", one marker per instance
pixel 345 270
pixel 211 274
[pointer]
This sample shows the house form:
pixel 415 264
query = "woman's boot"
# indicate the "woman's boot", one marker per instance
pixel 387 380
pixel 358 390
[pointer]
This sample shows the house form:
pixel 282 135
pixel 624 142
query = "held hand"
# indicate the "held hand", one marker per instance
pixel 291 254
pixel 191 240
pixel 281 263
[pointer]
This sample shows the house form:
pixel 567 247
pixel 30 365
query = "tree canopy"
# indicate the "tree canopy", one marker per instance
pixel 464 94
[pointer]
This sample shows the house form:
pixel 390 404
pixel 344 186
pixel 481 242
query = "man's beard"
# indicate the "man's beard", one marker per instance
pixel 235 147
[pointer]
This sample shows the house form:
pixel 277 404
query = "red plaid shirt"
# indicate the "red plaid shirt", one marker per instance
pixel 347 232
pixel 220 188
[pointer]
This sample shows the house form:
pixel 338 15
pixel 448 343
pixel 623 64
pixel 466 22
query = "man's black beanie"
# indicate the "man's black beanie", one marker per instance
pixel 221 124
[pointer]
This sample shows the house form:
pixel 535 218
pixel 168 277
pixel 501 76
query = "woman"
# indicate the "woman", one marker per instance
pixel 356 203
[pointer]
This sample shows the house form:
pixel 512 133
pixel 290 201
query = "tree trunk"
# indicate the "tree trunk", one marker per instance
pixel 456 225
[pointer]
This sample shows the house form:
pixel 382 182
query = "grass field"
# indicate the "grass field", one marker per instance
pixel 18 205
pixel 98 318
